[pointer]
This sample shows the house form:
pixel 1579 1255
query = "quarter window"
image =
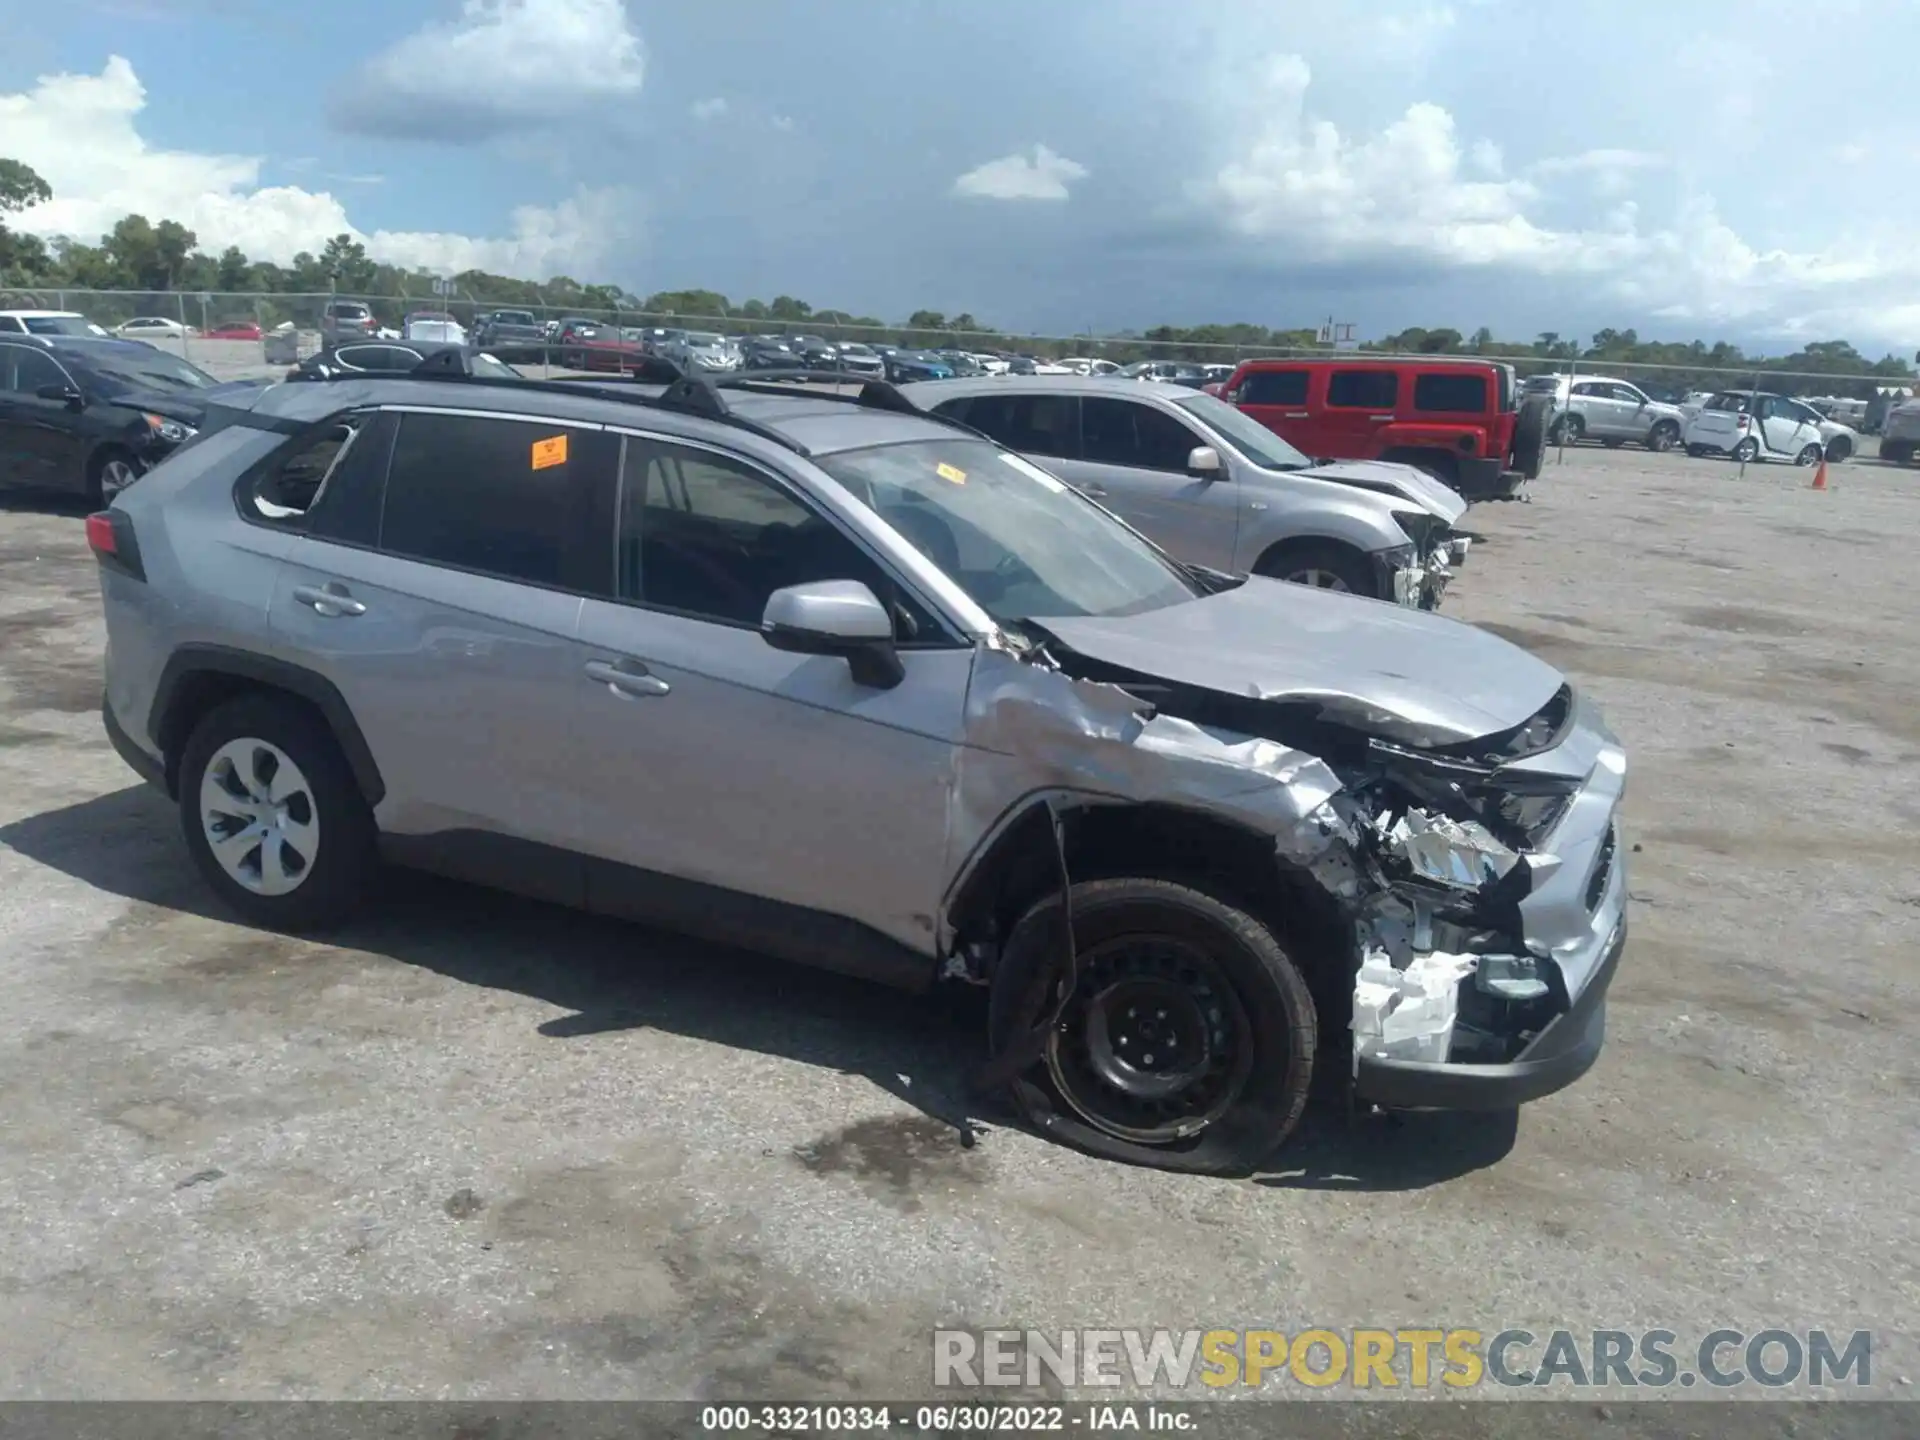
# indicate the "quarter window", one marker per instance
pixel 501 497
pixel 706 535
pixel 1273 387
pixel 1363 389
pixel 1450 394
pixel 326 482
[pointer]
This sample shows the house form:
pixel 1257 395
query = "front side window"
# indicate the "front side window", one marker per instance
pixel 24 371
pixel 1023 544
pixel 1126 432
pixel 1252 439
pixel 496 496
pixel 706 535
pixel 1363 389
pixel 1274 387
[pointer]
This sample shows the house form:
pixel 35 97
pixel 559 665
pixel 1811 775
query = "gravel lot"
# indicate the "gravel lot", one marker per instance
pixel 483 1148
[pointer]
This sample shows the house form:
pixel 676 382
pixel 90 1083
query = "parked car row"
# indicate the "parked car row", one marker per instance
pixel 852 679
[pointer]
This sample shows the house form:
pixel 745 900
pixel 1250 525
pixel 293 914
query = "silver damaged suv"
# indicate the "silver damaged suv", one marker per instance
pixel 842 681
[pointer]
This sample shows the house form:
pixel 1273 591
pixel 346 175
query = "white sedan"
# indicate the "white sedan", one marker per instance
pixel 153 327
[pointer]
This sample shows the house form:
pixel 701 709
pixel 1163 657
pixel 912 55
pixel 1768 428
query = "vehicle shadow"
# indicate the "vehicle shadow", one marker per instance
pixel 22 501
pixel 612 976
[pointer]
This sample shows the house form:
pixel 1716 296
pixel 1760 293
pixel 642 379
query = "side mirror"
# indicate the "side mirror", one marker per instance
pixel 836 617
pixel 66 394
pixel 1203 460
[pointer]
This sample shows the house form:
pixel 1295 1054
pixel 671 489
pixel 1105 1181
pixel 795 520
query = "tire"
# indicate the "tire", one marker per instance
pixel 109 472
pixel 1809 455
pixel 1747 450
pixel 1235 996
pixel 1530 435
pixel 1899 452
pixel 1698 452
pixel 1839 449
pixel 324 820
pixel 1568 430
pixel 1321 565
pixel 1663 437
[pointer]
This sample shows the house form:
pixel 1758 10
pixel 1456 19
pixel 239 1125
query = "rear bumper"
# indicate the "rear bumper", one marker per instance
pixel 1559 1055
pixel 147 767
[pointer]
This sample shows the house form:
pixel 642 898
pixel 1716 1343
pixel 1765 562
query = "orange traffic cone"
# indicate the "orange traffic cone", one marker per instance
pixel 1820 475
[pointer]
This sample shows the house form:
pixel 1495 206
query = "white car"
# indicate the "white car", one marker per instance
pixel 992 364
pixel 1754 425
pixel 1083 365
pixel 47 322
pixel 433 325
pixel 153 327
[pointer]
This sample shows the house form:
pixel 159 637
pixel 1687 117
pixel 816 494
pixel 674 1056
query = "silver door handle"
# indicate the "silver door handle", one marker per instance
pixel 329 600
pixel 1094 492
pixel 627 677
pixel 1299 414
pixel 1379 417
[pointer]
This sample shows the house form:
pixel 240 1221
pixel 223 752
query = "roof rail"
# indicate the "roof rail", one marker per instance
pixel 873 394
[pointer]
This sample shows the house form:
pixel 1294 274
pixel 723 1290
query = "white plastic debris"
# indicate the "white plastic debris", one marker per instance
pixel 1450 852
pixel 1407 1014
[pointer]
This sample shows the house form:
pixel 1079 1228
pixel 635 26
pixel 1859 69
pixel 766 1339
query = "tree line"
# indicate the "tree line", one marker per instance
pixel 159 259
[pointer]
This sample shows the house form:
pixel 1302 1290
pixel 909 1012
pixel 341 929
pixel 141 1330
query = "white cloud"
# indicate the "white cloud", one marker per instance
pixel 78 132
pixel 503 65
pixel 783 122
pixel 1042 176
pixel 1413 191
pixel 711 109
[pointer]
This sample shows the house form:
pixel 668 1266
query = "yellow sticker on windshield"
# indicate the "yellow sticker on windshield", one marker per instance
pixel 950 472
pixel 550 452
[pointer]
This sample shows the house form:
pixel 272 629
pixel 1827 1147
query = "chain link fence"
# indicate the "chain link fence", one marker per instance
pixel 239 333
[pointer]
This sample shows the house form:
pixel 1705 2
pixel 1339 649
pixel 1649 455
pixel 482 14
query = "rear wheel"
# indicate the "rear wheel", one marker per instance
pixel 1900 452
pixel 1663 437
pixel 1746 450
pixel 1188 1038
pixel 1568 430
pixel 272 815
pixel 1322 565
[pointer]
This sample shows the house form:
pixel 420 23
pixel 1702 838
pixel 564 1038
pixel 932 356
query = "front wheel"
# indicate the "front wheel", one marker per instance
pixel 1187 1041
pixel 1839 449
pixel 1568 430
pixel 1322 565
pixel 1663 438
pixel 1810 455
pixel 110 473
pixel 273 817
pixel 1746 450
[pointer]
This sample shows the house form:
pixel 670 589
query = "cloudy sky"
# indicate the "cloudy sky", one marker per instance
pixel 1742 169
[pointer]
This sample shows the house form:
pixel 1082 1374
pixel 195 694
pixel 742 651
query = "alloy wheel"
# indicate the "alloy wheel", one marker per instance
pixel 1320 580
pixel 116 476
pixel 257 810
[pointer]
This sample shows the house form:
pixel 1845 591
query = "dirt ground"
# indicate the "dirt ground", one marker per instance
pixel 478 1147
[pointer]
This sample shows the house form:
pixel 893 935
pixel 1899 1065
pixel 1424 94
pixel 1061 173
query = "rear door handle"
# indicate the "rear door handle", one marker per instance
pixel 628 678
pixel 331 600
pixel 1299 414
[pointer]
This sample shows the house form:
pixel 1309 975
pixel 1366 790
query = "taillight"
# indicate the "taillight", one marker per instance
pixel 110 537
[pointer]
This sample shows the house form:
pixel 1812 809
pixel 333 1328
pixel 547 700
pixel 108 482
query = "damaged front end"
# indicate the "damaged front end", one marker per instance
pixel 1417 574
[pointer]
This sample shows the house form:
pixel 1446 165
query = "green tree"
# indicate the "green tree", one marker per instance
pixel 785 307
pixel 345 260
pixel 231 270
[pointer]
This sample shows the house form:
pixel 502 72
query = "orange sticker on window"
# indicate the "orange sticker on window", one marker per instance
pixel 950 472
pixel 550 452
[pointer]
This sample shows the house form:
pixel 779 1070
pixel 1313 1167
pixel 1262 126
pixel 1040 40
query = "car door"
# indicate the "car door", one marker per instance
pixel 726 773
pixel 1359 405
pixel 1278 400
pixel 41 441
pixel 1635 411
pixel 1809 433
pixel 437 590
pixel 1782 429
pixel 1133 460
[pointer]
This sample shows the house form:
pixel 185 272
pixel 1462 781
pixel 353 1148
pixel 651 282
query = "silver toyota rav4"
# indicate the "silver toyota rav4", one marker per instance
pixel 1217 488
pixel 838 680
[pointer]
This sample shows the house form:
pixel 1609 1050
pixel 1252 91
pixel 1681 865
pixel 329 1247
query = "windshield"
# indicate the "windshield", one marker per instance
pixel 61 325
pixel 1020 542
pixel 1248 436
pixel 154 370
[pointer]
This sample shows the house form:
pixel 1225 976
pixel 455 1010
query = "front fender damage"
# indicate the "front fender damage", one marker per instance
pixel 1428 889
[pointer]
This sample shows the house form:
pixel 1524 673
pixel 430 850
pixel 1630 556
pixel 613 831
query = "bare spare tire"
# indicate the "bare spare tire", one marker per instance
pixel 1530 435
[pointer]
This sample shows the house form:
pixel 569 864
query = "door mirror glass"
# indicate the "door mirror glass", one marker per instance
pixel 836 617
pixel 1203 460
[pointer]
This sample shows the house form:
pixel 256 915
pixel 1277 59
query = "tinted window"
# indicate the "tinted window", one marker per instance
pixel 1273 387
pixel 1125 432
pixel 1036 424
pixel 497 496
pixel 61 325
pixel 1363 389
pixel 710 536
pixel 326 482
pixel 1629 394
pixel 1451 394
pixel 25 371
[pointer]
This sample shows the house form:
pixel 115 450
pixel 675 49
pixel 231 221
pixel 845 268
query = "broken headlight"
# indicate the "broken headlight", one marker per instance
pixel 1529 813
pixel 1457 854
pixel 1540 731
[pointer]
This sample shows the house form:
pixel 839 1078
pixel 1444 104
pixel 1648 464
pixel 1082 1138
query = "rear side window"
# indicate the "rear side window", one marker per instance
pixel 501 497
pixel 1032 424
pixel 1363 389
pixel 1448 394
pixel 1273 387
pixel 1126 432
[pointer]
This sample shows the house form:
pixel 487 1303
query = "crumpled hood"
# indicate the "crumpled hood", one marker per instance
pixel 189 407
pixel 1388 478
pixel 1404 675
